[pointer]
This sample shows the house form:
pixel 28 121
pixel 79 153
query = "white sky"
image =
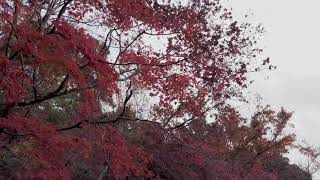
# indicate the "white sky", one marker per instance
pixel 292 42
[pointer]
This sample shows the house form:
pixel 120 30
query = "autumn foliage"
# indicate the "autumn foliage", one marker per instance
pixel 71 72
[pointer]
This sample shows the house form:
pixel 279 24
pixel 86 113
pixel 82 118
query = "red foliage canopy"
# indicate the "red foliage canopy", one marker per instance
pixel 69 69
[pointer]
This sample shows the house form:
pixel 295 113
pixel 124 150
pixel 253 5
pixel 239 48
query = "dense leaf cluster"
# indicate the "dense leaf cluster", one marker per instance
pixel 132 89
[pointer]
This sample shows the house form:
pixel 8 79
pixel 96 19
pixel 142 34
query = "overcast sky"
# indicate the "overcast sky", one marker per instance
pixel 292 41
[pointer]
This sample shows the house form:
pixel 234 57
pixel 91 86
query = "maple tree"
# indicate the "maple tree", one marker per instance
pixel 311 153
pixel 70 69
